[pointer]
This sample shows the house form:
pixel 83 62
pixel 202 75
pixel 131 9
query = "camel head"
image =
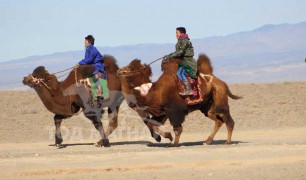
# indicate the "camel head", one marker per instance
pixel 135 73
pixel 40 75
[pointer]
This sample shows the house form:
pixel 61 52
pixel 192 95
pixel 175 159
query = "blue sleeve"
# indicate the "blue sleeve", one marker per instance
pixel 100 57
pixel 89 57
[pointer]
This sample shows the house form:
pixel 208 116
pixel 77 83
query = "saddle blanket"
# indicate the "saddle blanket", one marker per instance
pixel 190 100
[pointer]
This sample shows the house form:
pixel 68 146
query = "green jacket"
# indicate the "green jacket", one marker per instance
pixel 184 51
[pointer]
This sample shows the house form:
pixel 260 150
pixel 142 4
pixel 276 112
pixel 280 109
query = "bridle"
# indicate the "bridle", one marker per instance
pixel 38 81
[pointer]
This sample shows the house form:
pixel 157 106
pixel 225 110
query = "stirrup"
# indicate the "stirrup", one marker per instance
pixel 100 98
pixel 186 94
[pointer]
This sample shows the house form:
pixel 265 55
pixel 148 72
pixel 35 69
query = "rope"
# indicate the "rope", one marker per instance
pixel 62 75
pixel 64 70
pixel 155 61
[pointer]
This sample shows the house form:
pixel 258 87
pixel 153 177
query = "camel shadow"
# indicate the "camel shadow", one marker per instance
pixel 73 144
pixel 196 143
pixel 151 144
pixel 122 143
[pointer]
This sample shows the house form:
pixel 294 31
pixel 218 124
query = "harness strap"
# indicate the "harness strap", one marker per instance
pixel 40 80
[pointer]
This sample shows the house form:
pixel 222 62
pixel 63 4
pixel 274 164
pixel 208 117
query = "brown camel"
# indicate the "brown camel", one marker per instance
pixel 164 102
pixel 66 98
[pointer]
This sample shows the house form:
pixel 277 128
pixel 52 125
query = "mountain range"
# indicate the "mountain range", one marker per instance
pixel 271 53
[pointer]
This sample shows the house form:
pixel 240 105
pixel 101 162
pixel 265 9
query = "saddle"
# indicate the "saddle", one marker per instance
pixel 197 96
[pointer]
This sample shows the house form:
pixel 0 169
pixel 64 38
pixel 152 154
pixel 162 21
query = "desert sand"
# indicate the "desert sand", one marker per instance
pixel 269 141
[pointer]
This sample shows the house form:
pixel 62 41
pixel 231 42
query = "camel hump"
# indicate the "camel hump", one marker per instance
pixel 204 64
pixel 110 63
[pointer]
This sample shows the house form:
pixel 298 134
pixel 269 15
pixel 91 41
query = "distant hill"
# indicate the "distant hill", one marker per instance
pixel 271 53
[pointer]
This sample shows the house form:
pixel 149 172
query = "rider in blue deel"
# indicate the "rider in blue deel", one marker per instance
pixel 94 57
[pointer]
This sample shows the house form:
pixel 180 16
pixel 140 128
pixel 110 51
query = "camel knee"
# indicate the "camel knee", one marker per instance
pixel 230 125
pixel 97 125
pixel 229 121
pixel 113 124
pixel 219 123
pixel 178 130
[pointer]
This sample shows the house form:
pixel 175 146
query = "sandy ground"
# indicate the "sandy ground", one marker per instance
pixel 269 141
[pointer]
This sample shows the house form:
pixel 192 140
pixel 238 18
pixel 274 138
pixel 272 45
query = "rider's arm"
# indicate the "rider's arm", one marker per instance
pixel 183 45
pixel 89 57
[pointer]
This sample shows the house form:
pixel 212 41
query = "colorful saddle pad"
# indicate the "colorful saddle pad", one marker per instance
pixel 197 97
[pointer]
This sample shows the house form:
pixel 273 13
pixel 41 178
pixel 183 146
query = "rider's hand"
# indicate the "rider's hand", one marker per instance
pixel 165 59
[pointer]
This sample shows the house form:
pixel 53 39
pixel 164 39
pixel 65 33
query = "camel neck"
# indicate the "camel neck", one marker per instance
pixel 57 104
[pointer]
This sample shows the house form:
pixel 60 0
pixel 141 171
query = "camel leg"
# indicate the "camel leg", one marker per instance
pixel 146 118
pixel 104 140
pixel 218 123
pixel 58 135
pixel 113 120
pixel 229 125
pixel 176 113
pixel 99 126
pixel 210 138
pixel 177 132
pixel 156 127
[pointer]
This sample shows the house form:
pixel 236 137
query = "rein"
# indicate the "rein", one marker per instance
pixel 64 71
pixel 155 61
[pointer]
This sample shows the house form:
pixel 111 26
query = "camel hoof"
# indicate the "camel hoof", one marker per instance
pixel 105 143
pixel 208 141
pixel 59 146
pixel 98 144
pixel 169 136
pixel 228 143
pixel 102 142
pixel 58 140
pixel 174 145
pixel 157 138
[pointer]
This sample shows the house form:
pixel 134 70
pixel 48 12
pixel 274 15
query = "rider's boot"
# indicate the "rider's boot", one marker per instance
pixel 187 88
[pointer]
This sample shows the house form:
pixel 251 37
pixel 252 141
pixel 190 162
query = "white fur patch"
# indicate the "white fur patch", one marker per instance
pixel 205 75
pixel 144 88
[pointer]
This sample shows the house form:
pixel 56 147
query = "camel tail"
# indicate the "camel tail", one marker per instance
pixel 231 95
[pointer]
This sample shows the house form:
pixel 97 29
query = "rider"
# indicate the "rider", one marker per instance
pixel 184 51
pixel 94 57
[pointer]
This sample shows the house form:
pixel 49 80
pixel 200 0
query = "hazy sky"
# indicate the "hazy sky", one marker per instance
pixel 38 27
